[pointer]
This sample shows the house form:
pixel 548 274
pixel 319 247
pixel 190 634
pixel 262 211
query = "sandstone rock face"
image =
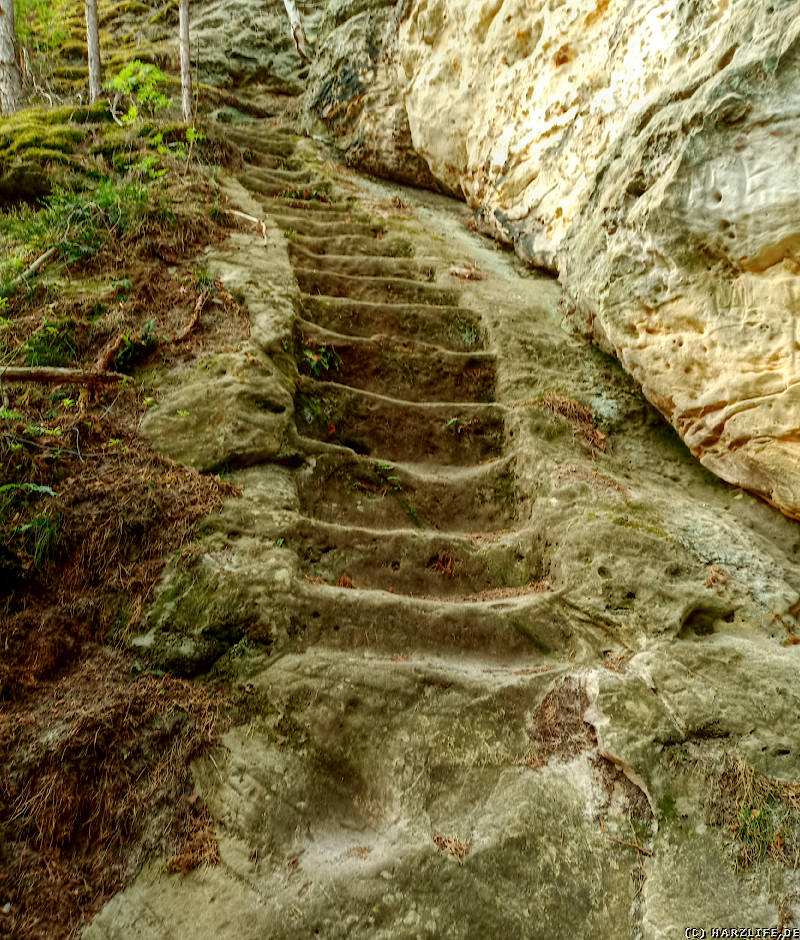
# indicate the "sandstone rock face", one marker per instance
pixel 354 91
pixel 649 154
pixel 241 42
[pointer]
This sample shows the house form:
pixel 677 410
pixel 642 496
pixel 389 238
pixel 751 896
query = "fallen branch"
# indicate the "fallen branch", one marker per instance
pixel 195 317
pixel 52 375
pixel 467 272
pixel 251 218
pixel 32 269
pixel 109 352
pixel 631 845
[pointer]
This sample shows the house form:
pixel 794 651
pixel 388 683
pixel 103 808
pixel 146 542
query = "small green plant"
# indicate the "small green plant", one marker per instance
pixel 763 814
pixel 149 167
pixel 393 486
pixel 52 344
pixel 215 211
pixel 34 488
pixel 468 333
pixel 76 224
pixel 25 545
pixel 134 349
pixel 141 81
pixel 39 537
pixel 321 359
pixel 203 279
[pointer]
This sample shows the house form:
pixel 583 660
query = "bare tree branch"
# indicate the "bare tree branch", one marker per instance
pixel 51 375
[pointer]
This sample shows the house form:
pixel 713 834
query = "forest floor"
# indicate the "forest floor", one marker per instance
pixel 102 274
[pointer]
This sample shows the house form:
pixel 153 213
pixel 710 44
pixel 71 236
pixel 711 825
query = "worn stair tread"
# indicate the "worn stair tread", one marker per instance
pixel 330 209
pixel 280 174
pixel 419 471
pixel 476 408
pixel 340 486
pixel 452 327
pixel 412 343
pixel 390 245
pixel 365 287
pixel 284 188
pixel 403 370
pixel 359 265
pixel 347 617
pixel 518 599
pixel 416 562
pixel 303 225
pixel 337 530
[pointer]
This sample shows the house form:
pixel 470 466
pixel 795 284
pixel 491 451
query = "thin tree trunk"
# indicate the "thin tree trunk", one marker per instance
pixel 10 75
pixel 93 45
pixel 186 63
pixel 298 32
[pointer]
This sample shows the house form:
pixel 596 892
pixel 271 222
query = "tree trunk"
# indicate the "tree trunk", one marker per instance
pixel 298 32
pixel 10 75
pixel 93 45
pixel 186 62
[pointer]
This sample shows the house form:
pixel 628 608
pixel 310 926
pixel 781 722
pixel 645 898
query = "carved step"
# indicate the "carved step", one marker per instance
pixel 361 265
pixel 389 245
pixel 417 562
pixel 410 371
pixel 386 289
pixel 453 327
pixel 453 434
pixel 341 487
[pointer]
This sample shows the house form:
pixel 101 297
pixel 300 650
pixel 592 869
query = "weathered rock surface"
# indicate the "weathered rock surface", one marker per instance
pixel 242 42
pixel 534 684
pixel 649 154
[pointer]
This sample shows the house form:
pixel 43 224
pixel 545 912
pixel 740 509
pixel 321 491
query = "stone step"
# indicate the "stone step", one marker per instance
pixel 347 489
pixel 301 224
pixel 438 433
pixel 326 210
pixel 321 211
pixel 270 161
pixel 300 177
pixel 388 246
pixel 362 265
pixel 404 370
pixel 316 189
pixel 377 620
pixel 417 562
pixel 456 328
pixel 373 289
pixel 252 139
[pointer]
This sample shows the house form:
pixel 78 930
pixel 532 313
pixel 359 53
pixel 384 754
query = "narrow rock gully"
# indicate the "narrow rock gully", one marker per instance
pixel 474 599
